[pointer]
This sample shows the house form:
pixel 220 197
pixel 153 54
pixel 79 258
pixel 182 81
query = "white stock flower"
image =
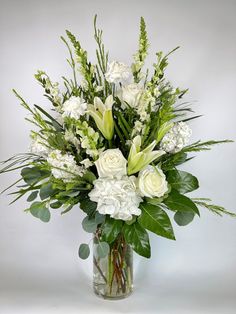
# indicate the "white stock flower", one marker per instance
pixel 118 72
pixel 87 163
pixel 176 138
pixel 71 138
pixel 111 163
pixel 117 198
pixel 39 146
pixel 63 166
pixel 130 94
pixel 74 107
pixel 152 182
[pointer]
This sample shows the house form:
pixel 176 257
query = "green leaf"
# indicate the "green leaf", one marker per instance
pixel 46 191
pixel 89 225
pixel 182 181
pixel 138 239
pixel 56 205
pixel 88 206
pixel 111 229
pixel 172 160
pixel 84 251
pixel 89 177
pixel 39 210
pixel 32 196
pixel 178 202
pixel 99 218
pixel 183 218
pixel 103 249
pixel 155 219
pixel 32 175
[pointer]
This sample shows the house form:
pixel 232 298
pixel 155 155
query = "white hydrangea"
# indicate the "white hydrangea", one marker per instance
pixel 64 166
pixel 117 198
pixel 118 72
pixel 39 146
pixel 74 107
pixel 176 138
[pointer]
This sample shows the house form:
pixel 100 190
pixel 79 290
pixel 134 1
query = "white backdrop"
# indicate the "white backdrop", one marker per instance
pixel 39 268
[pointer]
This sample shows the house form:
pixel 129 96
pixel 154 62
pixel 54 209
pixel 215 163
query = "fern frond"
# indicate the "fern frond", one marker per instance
pixel 216 209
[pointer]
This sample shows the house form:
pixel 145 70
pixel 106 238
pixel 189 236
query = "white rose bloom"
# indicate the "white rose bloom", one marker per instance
pixel 111 163
pixel 176 138
pixel 118 72
pixel 152 182
pixel 64 166
pixel 130 94
pixel 39 146
pixel 74 107
pixel 117 198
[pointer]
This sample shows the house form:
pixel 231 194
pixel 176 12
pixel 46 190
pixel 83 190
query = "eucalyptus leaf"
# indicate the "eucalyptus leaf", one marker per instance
pixel 32 175
pixel 103 249
pixel 183 218
pixel 39 210
pixel 88 206
pixel 46 191
pixel 32 196
pixel 99 218
pixel 84 251
pixel 89 225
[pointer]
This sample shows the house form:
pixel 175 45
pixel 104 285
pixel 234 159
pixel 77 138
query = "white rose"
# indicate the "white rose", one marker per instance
pixel 152 182
pixel 118 72
pixel 131 94
pixel 111 163
pixel 74 107
pixel 117 198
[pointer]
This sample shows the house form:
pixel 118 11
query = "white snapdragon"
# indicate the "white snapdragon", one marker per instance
pixel 53 88
pixel 63 166
pixel 176 138
pixel 118 72
pixel 111 163
pixel 117 198
pixel 39 146
pixel 74 107
pixel 86 163
pixel 152 182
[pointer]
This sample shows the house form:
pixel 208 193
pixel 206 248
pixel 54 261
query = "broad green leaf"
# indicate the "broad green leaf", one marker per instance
pixel 155 219
pixel 182 181
pixel 178 202
pixel 138 239
pixel 103 249
pixel 89 176
pixel 89 225
pixel 39 210
pixel 46 191
pixel 111 229
pixel 32 196
pixel 84 251
pixel 170 161
pixel 183 218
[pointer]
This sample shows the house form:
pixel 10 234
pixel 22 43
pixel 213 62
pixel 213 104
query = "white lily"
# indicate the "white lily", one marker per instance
pixel 137 159
pixel 102 115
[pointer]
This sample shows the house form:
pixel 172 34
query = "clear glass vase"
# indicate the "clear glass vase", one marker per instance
pixel 113 274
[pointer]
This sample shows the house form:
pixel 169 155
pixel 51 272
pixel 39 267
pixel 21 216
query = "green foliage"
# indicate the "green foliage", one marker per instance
pixel 138 239
pixel 183 218
pixel 89 207
pixel 155 219
pixel 182 181
pixel 46 190
pixel 178 202
pixel 84 251
pixel 216 209
pixel 40 210
pixel 111 228
pixel 32 196
pixel 33 175
pixel 200 146
pixel 89 225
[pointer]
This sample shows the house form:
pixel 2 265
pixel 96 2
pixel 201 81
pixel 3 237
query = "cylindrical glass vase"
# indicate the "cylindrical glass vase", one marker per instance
pixel 113 274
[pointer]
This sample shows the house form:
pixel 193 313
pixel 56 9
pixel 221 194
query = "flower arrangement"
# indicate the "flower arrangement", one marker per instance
pixel 112 145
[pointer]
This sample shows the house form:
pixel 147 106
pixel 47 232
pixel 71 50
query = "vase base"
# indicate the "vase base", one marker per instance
pixel 112 297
